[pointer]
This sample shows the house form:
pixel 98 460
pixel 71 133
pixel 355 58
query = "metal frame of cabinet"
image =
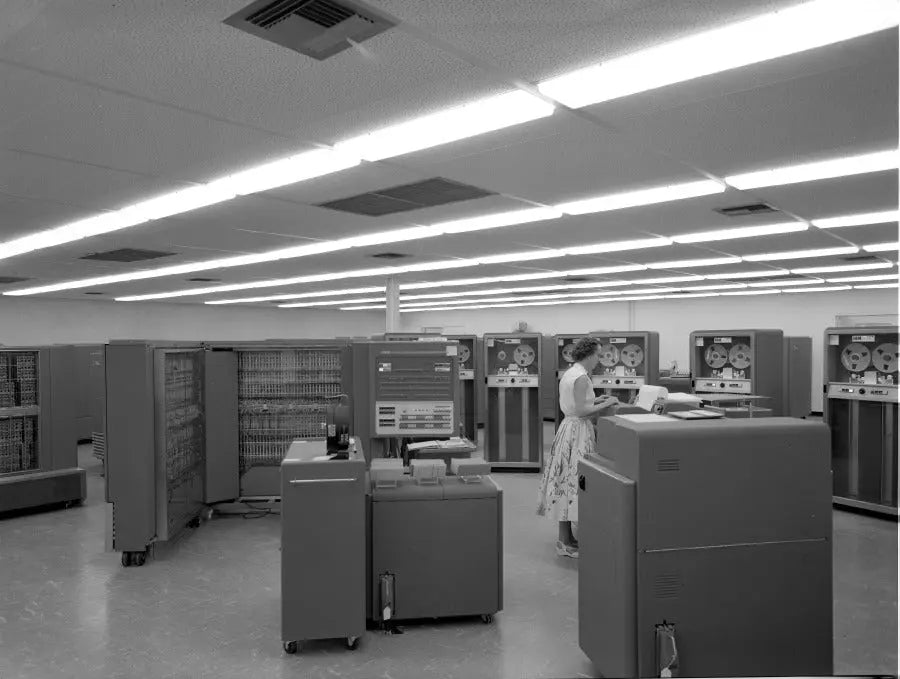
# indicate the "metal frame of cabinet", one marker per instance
pixel 261 397
pixel 38 446
pixel 860 408
pixel 155 457
pixel 797 376
pixel 468 398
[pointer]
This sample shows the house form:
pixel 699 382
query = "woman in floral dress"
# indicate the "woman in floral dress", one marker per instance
pixel 574 439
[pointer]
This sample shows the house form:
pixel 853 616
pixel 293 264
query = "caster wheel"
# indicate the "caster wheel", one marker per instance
pixel 208 514
pixel 126 559
pixel 139 558
pixel 195 522
pixel 352 643
pixel 487 619
pixel 291 647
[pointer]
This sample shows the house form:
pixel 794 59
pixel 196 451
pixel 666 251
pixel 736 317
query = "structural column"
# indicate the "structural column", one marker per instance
pixel 392 307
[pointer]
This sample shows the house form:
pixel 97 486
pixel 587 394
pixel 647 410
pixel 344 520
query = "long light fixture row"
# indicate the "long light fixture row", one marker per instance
pixel 789 31
pixel 552 300
pixel 565 289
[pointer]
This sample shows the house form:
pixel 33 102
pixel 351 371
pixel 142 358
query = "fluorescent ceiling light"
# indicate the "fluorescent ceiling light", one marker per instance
pixel 882 247
pixel 873 286
pixel 693 295
pixel 452 124
pixel 747 274
pixel 603 270
pixel 781 284
pixel 844 267
pixel 801 254
pixel 861 219
pixel 824 288
pixel 618 246
pixel 826 169
pixel 719 286
pixel 860 279
pixel 744 232
pixel 666 279
pixel 690 263
pixel 788 31
pixel 68 233
pixel 520 256
pixel 291 170
pixel 660 194
pixel 392 236
pixel 363 308
pixel 752 292
pixel 332 302
pixel 537 214
pixel 301 295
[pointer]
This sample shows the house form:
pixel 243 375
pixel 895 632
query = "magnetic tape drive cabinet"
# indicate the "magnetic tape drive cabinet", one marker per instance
pixel 628 361
pixel 260 398
pixel 155 445
pixel 468 398
pixel 514 426
pixel 38 437
pixel 748 362
pixel 860 407
pixel 403 390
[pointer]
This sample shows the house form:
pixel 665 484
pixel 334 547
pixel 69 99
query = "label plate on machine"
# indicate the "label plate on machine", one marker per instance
pixel 513 381
pixel 723 386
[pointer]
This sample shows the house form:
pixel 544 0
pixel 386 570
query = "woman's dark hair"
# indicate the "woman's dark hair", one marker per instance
pixel 584 348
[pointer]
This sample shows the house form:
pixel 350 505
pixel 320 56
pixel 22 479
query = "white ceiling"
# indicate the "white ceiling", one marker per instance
pixel 106 102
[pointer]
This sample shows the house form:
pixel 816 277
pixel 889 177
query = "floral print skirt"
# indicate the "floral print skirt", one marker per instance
pixel 559 484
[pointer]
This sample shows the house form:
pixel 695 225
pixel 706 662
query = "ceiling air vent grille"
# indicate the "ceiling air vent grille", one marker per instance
pixel 860 258
pixel 201 279
pixel 389 255
pixel 577 279
pixel 6 280
pixel 745 210
pixel 316 28
pixel 426 193
pixel 127 255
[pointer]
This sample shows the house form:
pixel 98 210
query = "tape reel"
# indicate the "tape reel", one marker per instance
pixel 524 355
pixel 464 353
pixel 739 356
pixel 501 355
pixel 856 357
pixel 632 355
pixel 566 353
pixel 716 356
pixel 609 355
pixel 885 357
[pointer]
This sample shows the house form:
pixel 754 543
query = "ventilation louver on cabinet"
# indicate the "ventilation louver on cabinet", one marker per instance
pixel 667 586
pixel 127 255
pixel 316 28
pixel 415 196
pixel 671 465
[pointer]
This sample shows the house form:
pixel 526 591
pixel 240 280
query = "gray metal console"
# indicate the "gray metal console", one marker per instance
pixel 712 534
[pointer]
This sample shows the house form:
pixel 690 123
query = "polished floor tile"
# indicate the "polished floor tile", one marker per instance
pixel 208 606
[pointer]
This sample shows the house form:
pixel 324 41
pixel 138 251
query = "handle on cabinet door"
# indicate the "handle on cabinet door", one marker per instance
pixel 582 482
pixel 294 482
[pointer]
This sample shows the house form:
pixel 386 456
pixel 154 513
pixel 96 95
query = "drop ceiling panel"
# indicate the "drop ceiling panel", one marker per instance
pixel 355 180
pixel 539 40
pixel 846 109
pixel 872 192
pixel 805 240
pixel 580 160
pixel 187 58
pixel 83 186
pixel 20 215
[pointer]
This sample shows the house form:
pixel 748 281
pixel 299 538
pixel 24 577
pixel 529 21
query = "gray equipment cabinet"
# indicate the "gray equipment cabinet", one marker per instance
pixel 629 359
pixel 155 457
pixel 748 362
pixel 514 429
pixel 437 549
pixel 715 534
pixel 860 408
pixel 38 438
pixel 323 550
pixel 468 398
pixel 797 376
pixel 260 398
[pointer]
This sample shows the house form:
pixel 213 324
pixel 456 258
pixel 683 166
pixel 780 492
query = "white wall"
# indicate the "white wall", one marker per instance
pixel 796 314
pixel 47 321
